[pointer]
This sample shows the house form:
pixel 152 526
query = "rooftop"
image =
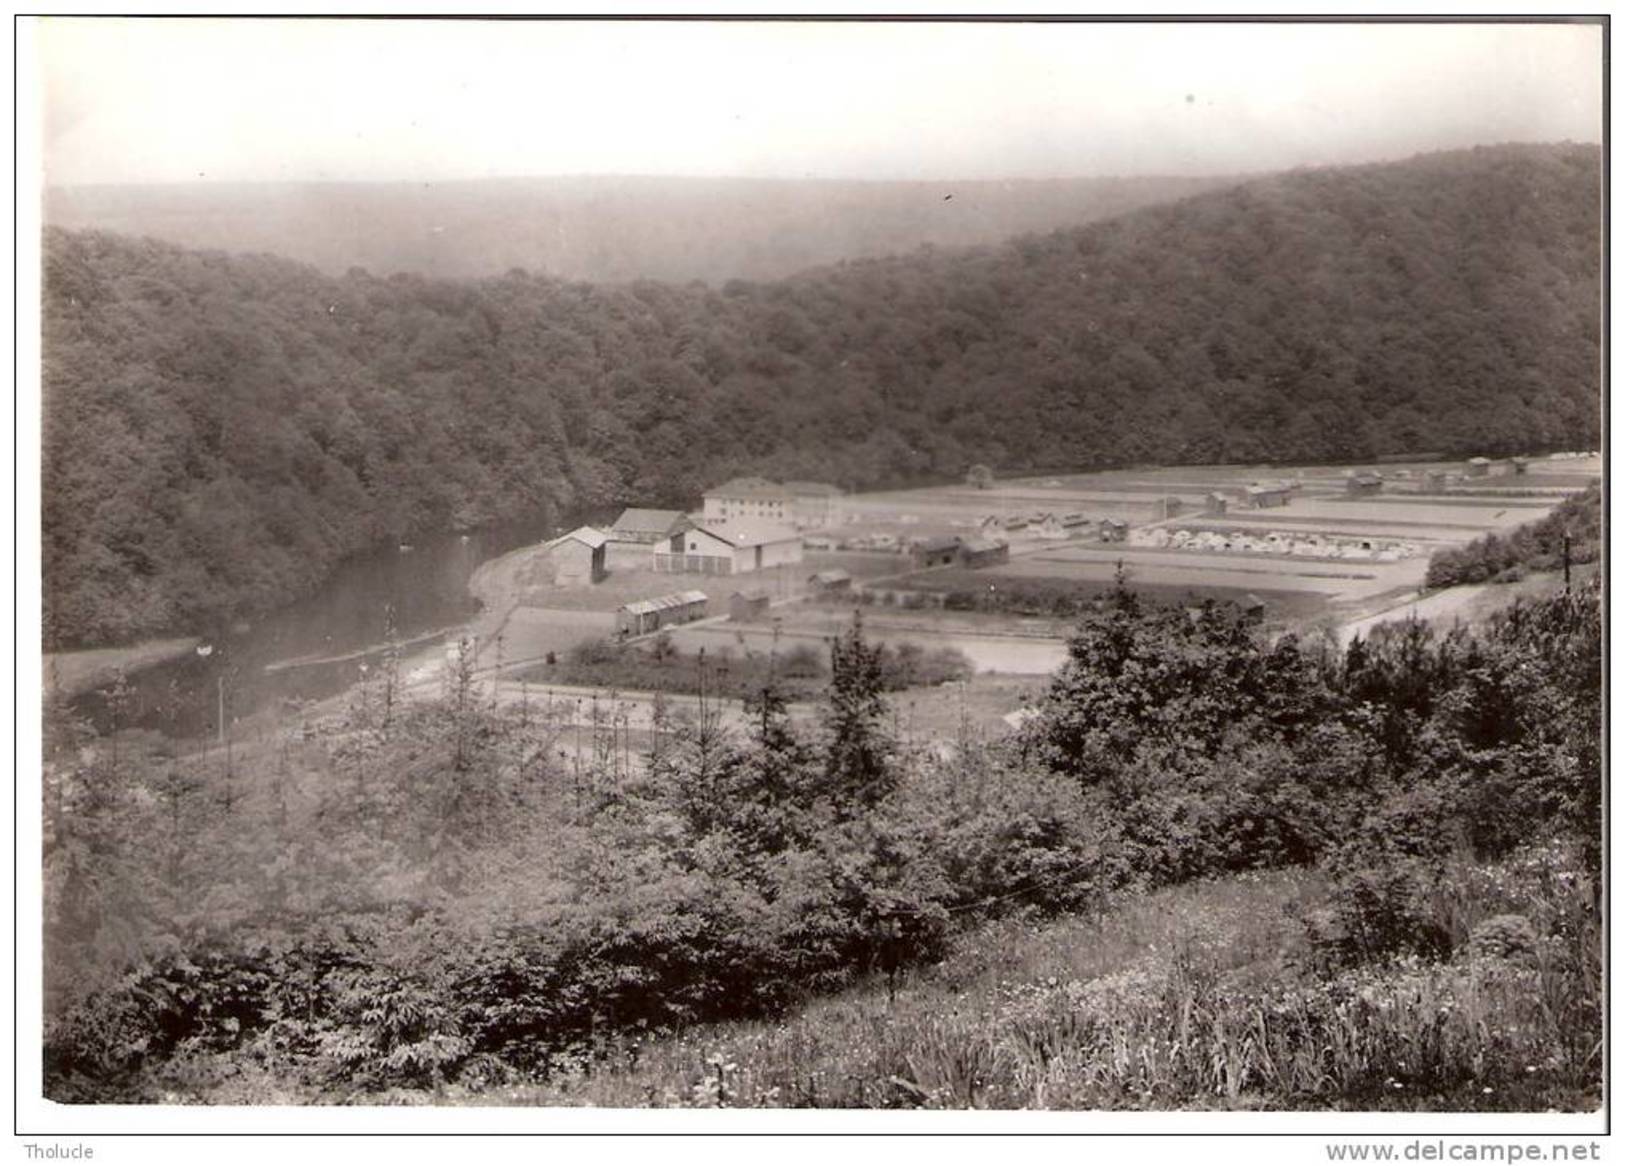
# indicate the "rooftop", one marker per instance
pixel 981 546
pixel 749 533
pixel 665 602
pixel 591 536
pixel 636 518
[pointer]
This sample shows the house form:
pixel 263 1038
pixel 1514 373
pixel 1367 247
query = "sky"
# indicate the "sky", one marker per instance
pixel 143 100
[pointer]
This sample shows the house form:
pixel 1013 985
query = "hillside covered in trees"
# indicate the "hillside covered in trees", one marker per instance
pixel 220 430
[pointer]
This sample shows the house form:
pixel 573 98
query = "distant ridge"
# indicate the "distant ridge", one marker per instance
pixel 604 229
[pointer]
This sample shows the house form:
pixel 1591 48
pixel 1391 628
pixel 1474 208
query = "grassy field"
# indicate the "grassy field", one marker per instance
pixel 1173 587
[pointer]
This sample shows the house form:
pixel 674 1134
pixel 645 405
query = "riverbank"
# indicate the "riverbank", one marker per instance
pixel 71 674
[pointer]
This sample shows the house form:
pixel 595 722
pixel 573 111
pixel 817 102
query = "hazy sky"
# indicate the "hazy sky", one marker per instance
pixel 167 100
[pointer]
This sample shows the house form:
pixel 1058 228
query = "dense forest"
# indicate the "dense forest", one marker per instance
pixel 601 227
pixel 410 895
pixel 220 430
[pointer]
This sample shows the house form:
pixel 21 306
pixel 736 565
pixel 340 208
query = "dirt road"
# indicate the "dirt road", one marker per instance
pixel 1439 608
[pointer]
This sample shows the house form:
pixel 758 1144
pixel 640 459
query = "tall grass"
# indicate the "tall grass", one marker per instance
pixel 1204 996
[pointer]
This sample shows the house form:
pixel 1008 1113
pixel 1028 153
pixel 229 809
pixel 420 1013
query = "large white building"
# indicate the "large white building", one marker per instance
pixel 803 505
pixel 748 499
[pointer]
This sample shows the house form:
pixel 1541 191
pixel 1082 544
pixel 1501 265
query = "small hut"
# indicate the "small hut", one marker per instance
pixel 936 552
pixel 578 557
pixel 750 604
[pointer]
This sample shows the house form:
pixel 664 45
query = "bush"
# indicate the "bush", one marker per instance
pixel 596 652
pixel 1379 912
pixel 907 665
pixel 1535 546
pixel 802 662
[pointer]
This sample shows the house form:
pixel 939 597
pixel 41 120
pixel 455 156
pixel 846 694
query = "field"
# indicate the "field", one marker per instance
pixel 1298 589
pixel 1174 587
pixel 990 649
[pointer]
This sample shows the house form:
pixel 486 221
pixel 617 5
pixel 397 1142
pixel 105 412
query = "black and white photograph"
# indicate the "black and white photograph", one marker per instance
pixel 849 574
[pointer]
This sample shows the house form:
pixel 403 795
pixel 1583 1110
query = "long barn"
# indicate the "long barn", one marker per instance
pixel 650 615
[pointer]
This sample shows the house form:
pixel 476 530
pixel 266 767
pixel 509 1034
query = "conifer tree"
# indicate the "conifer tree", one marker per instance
pixel 858 769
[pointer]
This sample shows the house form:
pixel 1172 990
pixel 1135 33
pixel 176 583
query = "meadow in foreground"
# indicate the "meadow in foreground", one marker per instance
pixel 1207 996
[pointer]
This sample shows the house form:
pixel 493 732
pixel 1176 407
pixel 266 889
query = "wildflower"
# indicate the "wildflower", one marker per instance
pixel 1487 1089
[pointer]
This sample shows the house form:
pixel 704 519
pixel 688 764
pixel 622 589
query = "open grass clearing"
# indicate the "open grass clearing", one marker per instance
pixel 1202 573
pixel 1007 654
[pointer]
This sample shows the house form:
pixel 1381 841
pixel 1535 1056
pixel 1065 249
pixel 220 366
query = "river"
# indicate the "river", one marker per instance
pixel 318 646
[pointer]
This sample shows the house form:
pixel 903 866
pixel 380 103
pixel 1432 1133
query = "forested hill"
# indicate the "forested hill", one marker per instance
pixel 222 429
pixel 608 228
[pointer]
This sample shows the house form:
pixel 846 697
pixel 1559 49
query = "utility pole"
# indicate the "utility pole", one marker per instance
pixel 1565 560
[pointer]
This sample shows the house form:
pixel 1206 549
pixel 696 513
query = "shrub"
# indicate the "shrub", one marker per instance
pixel 1377 913
pixel 1503 937
pixel 802 662
pixel 596 652
pixel 1535 546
